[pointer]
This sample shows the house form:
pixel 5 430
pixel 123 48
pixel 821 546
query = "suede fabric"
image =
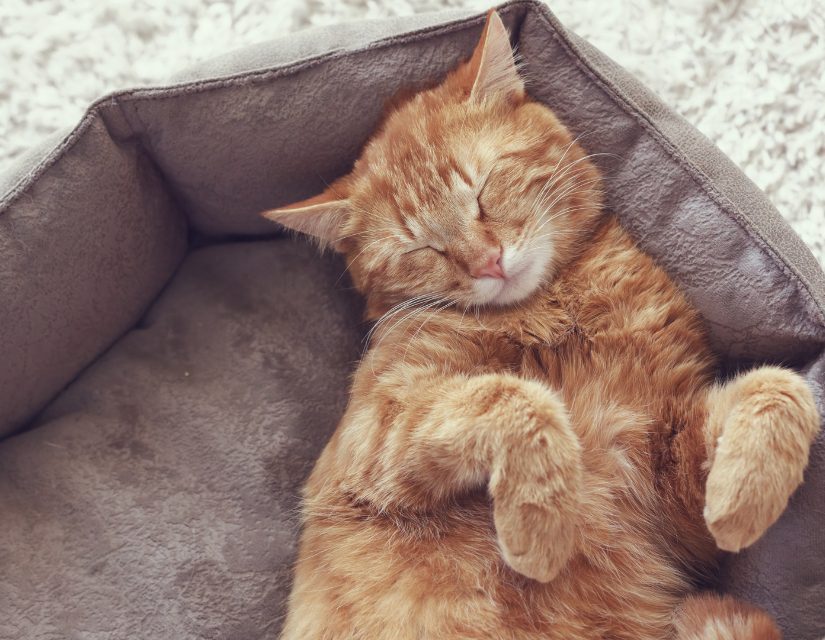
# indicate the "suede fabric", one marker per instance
pixel 155 496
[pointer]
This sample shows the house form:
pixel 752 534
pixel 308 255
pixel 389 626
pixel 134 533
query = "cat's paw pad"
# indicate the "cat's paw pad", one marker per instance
pixel 760 457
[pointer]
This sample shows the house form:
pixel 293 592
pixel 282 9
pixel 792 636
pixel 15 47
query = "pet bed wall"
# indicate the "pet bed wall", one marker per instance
pixel 170 368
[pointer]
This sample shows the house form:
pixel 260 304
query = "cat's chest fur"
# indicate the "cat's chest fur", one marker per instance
pixel 533 342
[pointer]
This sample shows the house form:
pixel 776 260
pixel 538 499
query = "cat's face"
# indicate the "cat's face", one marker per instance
pixel 469 193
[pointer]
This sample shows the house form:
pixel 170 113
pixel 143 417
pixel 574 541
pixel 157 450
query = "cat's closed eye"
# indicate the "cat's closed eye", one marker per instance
pixel 426 247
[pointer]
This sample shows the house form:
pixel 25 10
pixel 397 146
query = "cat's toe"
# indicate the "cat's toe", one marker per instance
pixel 534 540
pixel 746 495
pixel 738 529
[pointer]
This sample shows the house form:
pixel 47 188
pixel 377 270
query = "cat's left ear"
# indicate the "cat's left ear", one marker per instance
pixel 322 217
pixel 493 65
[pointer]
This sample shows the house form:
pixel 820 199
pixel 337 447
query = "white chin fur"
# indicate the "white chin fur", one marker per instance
pixel 524 269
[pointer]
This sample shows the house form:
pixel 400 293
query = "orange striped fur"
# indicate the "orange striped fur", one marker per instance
pixel 543 455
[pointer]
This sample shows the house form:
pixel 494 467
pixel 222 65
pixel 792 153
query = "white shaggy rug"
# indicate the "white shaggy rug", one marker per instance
pixel 750 74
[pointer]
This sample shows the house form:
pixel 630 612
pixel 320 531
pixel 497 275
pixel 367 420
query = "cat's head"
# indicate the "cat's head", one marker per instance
pixel 468 192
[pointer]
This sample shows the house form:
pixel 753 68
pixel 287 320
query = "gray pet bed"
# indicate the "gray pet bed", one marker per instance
pixel 170 368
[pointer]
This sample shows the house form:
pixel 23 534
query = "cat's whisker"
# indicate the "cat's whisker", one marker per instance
pixel 461 321
pixel 389 312
pixel 569 167
pixel 426 299
pixel 555 215
pixel 565 152
pixel 570 191
pixel 418 310
pixel 434 310
pixel 568 184
pixel 540 206
pixel 398 308
pixel 401 306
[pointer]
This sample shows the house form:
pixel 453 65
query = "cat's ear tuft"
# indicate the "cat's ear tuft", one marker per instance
pixel 322 217
pixel 493 64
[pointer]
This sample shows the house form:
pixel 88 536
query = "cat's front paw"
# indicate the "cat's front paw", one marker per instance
pixel 760 456
pixel 535 489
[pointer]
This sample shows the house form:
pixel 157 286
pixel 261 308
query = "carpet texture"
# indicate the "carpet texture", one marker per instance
pixel 750 74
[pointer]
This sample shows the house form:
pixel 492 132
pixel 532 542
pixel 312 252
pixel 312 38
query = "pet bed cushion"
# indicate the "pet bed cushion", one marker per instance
pixel 170 368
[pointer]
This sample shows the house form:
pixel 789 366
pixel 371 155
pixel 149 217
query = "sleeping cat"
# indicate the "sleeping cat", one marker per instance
pixel 535 446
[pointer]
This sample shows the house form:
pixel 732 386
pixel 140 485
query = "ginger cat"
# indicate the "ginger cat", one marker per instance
pixel 535 447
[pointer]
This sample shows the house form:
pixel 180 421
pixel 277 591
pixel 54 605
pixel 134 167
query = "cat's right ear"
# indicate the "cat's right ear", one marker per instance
pixel 322 217
pixel 493 67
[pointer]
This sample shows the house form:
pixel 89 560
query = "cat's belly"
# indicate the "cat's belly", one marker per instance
pixel 442 576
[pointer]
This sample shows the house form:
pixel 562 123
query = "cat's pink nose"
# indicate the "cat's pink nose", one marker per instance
pixel 489 266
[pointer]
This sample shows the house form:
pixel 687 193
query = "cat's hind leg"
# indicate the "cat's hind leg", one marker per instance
pixel 708 616
pixel 759 431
